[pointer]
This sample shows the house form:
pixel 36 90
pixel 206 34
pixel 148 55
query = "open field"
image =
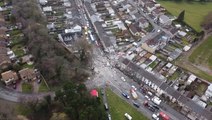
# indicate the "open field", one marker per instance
pixel 194 11
pixel 118 107
pixel 202 55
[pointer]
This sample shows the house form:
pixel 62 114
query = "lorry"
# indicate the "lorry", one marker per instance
pixel 134 94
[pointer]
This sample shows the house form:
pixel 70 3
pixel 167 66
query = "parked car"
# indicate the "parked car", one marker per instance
pixel 147 97
pixel 14 86
pixel 122 78
pixel 133 87
pixel 151 108
pixel 128 116
pixel 125 95
pixel 156 107
pixel 136 104
pixel 106 106
pixel 39 81
pixel 109 117
pixel 102 91
pixel 155 117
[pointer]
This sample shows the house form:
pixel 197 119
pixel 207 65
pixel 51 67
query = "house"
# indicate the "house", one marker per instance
pixel 9 77
pixel 27 59
pixel 11 54
pixel 150 7
pixel 148 46
pixel 28 74
pixel 47 9
pixel 69 38
pixel 133 29
pixel 74 29
pixel 208 92
pixel 157 12
pixel 4 58
pixel 43 2
pixel 191 78
pixel 143 23
pixel 155 43
pixel 164 20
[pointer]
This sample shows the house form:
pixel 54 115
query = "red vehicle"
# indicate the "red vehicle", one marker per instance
pixel 163 116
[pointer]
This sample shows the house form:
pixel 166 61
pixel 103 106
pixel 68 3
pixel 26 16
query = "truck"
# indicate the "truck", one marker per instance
pixel 134 94
pixel 163 116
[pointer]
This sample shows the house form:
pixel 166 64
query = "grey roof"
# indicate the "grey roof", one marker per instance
pixel 164 18
pixel 102 35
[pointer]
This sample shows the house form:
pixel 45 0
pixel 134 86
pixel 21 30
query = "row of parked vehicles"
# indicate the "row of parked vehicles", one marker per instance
pixel 152 103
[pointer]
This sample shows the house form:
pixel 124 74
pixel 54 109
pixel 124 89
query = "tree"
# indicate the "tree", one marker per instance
pixel 180 18
pixel 78 104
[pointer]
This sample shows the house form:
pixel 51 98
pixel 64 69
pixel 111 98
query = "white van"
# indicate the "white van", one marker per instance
pixel 128 116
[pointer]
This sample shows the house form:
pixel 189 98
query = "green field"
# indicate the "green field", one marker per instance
pixel 194 11
pixel 118 107
pixel 203 54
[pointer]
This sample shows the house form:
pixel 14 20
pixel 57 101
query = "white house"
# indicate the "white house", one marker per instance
pixel 208 92
pixel 191 78
pixel 150 7
pixel 43 2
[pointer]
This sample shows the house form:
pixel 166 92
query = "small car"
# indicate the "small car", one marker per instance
pixel 125 95
pixel 136 104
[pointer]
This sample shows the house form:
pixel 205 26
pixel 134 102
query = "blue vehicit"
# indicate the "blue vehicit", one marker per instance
pixel 125 95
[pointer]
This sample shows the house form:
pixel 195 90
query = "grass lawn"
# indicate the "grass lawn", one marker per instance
pixel 26 87
pixel 16 39
pixel 118 107
pixel 201 89
pixel 194 11
pixel 153 64
pixel 18 50
pixel 203 54
pixel 43 87
pixel 27 66
pixel 1 3
pixel 174 76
